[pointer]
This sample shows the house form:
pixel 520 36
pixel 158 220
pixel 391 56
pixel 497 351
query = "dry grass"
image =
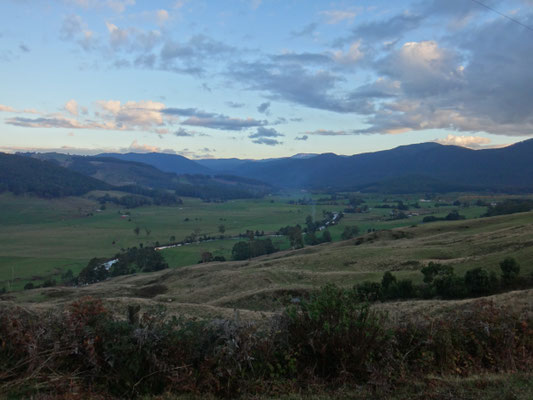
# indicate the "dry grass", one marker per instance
pixel 265 284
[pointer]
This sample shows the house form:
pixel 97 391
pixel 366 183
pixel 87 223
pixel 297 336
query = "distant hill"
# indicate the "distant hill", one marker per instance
pixel 113 171
pixel 21 175
pixel 431 165
pixel 165 162
pixel 131 175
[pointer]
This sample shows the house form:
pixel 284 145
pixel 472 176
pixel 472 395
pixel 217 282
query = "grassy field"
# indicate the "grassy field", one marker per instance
pixel 263 285
pixel 42 239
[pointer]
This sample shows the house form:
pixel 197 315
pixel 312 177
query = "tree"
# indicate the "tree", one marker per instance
pixel 387 280
pixel 95 271
pixel 295 237
pixel 207 256
pixel 477 281
pixel 221 228
pixel 349 232
pixel 326 236
pixel 136 230
pixel 510 269
pixel 240 251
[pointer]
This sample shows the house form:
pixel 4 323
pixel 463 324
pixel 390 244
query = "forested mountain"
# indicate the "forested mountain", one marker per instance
pixel 131 176
pixel 427 165
pixel 164 162
pixel 22 175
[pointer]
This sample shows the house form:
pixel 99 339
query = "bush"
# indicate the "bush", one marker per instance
pixel 334 334
pixel 510 269
pixel 479 282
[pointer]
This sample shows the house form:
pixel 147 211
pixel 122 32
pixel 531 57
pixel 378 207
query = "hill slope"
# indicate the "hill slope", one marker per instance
pixel 267 283
pixel 164 162
pixel 444 167
pixel 21 175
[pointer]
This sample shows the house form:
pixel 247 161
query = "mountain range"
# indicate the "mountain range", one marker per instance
pixel 418 167
pixel 424 167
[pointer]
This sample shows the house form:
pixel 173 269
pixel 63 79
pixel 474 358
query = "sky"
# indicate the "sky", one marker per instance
pixel 263 78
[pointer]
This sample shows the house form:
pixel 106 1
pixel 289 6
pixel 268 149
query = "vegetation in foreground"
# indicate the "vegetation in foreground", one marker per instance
pixel 331 340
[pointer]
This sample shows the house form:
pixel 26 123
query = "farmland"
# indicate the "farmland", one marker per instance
pixel 43 238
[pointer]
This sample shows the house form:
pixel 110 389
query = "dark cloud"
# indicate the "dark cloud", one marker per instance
pixel 392 28
pixel 428 86
pixel 263 108
pixel 294 83
pixel 183 133
pixel 265 135
pixel 302 138
pixel 212 120
pixel 301 58
pixel 188 112
pixel 327 132
pixel 223 122
pixel 267 141
pixel 265 132
pixel 24 48
pixel 43 123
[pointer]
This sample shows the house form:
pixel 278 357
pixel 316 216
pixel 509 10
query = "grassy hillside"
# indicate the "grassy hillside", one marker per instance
pixel 267 283
pixel 43 238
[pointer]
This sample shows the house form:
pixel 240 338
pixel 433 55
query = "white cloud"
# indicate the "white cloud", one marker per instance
pixel 136 147
pixel 6 108
pixel 464 141
pixel 352 56
pixel 144 114
pixel 72 107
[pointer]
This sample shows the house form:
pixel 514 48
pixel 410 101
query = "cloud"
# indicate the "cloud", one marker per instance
pixel 223 122
pixel 263 108
pixel 75 29
pixel 24 48
pixel 6 108
pixel 136 147
pixel 72 107
pixel 336 16
pixel 144 115
pixel 213 120
pixel 302 138
pixel 132 115
pixel 267 141
pixel 481 82
pixel 307 30
pixel 162 16
pixel 265 135
pixel 352 56
pixel 183 133
pixel 392 28
pixel 189 57
pixel 59 122
pixel 326 132
pixel 473 142
pixel 265 132
pixel 294 83
pixel 234 105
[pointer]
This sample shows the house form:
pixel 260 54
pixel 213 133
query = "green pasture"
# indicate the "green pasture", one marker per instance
pixel 42 238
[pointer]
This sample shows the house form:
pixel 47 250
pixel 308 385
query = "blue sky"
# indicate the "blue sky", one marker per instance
pixel 260 79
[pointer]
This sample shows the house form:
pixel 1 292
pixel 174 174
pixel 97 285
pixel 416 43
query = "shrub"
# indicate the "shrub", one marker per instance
pixel 333 334
pixel 478 282
pixel 510 269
